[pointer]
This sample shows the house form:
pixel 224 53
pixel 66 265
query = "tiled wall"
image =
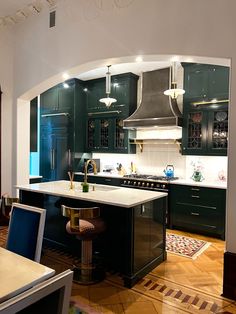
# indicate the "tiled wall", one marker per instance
pixel 154 159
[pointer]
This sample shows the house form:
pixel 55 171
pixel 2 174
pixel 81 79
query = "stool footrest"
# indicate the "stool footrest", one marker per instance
pixel 88 276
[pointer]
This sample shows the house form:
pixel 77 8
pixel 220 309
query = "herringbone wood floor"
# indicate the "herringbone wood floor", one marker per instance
pixel 179 285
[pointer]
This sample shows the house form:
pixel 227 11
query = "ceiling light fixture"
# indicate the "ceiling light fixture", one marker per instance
pixel 174 92
pixel 107 100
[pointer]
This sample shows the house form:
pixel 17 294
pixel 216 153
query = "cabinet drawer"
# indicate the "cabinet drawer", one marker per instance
pixel 197 217
pixel 198 195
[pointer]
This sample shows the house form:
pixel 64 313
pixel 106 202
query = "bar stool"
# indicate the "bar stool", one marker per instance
pixel 86 225
pixel 6 203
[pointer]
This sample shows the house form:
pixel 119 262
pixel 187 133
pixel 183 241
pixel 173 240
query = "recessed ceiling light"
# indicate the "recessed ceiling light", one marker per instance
pixel 65 76
pixel 65 85
pixel 139 59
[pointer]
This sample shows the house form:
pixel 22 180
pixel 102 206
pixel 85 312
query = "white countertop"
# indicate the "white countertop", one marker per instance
pixel 205 183
pixel 104 194
pixel 187 181
pixel 35 177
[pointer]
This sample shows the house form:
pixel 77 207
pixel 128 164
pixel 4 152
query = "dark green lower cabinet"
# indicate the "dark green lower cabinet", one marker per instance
pixel 198 209
pixel 99 179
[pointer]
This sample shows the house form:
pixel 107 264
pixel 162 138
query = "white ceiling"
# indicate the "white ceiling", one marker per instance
pixel 134 67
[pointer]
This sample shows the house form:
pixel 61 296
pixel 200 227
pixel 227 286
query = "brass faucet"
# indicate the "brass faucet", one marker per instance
pixel 86 169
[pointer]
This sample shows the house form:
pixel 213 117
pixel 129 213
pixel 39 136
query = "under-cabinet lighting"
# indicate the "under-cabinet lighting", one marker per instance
pixel 139 59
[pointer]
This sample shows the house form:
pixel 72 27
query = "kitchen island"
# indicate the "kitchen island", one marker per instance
pixel 134 241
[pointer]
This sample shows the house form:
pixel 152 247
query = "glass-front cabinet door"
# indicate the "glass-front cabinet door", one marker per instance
pixel 194 141
pixel 218 131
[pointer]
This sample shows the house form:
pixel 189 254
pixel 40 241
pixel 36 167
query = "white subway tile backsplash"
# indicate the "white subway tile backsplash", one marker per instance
pixel 155 158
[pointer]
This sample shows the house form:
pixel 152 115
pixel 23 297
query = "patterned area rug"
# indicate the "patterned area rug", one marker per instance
pixel 185 246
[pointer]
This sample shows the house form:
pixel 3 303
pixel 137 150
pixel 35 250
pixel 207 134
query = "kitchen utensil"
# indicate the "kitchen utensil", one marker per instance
pixel 169 171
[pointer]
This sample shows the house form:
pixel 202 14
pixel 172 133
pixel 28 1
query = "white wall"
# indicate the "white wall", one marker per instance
pixel 86 32
pixel 6 82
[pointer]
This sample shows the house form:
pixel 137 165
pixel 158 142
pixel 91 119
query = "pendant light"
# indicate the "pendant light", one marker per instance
pixel 107 100
pixel 174 92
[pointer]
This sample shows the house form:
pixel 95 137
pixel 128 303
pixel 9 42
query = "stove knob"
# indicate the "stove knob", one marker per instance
pixel 143 184
pixel 135 182
pixel 152 185
pixel 139 183
pixel 147 184
pixel 124 182
pixel 163 186
pixel 128 182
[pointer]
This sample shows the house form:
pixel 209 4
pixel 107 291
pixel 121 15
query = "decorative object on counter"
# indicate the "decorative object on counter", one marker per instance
pixel 222 175
pixel 108 100
pixel 197 176
pixel 185 246
pixel 132 167
pixel 120 169
pixel 197 171
pixel 85 185
pixel 71 176
pixel 169 171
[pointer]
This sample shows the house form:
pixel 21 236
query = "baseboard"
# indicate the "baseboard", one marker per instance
pixel 229 280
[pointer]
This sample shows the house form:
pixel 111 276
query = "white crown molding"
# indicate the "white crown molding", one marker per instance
pixel 33 8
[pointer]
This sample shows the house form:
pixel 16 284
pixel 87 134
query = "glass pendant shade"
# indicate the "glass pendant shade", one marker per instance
pixel 173 91
pixel 108 100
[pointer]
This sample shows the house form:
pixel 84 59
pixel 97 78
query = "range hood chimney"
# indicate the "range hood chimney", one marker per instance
pixel 156 110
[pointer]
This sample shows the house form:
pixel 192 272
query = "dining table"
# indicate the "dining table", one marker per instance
pixel 18 274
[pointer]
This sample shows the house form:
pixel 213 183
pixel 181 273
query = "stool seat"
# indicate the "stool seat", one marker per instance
pixel 86 225
pixel 87 229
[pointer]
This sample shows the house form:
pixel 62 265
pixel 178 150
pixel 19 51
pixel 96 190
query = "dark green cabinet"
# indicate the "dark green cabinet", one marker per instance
pixel 55 154
pixel 34 125
pixel 58 99
pixel 149 232
pixel 62 122
pixel 205 114
pixel 205 131
pixel 105 131
pixel 198 209
pixel 205 82
pixel 99 179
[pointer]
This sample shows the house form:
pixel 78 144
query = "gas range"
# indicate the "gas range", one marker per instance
pixel 147 182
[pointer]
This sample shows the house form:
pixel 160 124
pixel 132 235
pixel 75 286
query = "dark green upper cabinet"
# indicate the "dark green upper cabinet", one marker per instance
pixel 204 82
pixel 62 109
pixel 205 111
pixel 58 99
pixel 34 125
pixel 105 131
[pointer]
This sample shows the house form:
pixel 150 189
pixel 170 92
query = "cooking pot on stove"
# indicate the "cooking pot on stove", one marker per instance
pixel 169 171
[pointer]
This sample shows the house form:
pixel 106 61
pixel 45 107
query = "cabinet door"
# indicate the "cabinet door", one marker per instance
pixel 194 133
pixel 195 82
pixel 49 101
pixel 218 87
pixel 62 155
pixel 47 169
pixel 95 91
pixel 66 98
pixel 218 132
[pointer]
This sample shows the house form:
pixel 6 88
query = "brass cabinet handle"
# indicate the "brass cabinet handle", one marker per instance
pixel 195 189
pixel 195 214
pixel 195 196
pixel 52 159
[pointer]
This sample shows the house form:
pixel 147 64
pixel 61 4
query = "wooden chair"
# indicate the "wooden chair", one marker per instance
pixel 50 296
pixel 85 224
pixel 25 232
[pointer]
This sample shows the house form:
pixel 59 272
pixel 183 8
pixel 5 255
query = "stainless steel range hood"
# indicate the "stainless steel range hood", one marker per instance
pixel 155 109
